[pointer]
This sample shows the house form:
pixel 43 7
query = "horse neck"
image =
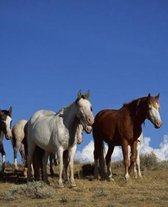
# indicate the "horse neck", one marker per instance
pixel 136 109
pixel 1 136
pixel 70 116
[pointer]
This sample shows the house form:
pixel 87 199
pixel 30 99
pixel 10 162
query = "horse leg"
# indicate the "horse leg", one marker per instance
pixel 108 162
pixel 66 165
pixel 133 155
pixel 37 162
pixel 15 150
pixel 31 150
pixel 51 157
pixel 71 154
pixel 22 153
pixel 60 166
pixel 44 167
pixel 126 160
pixel 3 157
pixel 138 160
pixel 99 158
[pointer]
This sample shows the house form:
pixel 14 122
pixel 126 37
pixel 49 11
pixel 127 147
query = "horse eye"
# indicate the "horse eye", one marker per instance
pixel 91 108
pixel 150 106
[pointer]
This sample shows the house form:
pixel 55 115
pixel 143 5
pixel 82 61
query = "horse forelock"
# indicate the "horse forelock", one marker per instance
pixel 82 97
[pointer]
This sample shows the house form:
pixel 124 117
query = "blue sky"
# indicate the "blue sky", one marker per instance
pixel 50 49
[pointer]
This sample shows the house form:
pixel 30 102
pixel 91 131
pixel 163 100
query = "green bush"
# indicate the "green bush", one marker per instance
pixel 149 161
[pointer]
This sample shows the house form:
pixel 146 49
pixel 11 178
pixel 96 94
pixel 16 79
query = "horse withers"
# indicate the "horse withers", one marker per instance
pixel 122 127
pixel 5 129
pixel 55 132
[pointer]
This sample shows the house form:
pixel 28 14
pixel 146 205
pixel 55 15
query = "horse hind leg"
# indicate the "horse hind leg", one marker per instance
pixel 15 150
pixel 108 162
pixel 3 158
pixel 44 168
pixel 99 161
pixel 31 150
pixel 126 159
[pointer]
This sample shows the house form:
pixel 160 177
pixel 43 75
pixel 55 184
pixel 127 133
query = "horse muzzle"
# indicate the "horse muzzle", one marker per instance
pixel 158 124
pixel 8 135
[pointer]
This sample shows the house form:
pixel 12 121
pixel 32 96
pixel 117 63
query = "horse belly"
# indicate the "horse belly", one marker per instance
pixel 43 137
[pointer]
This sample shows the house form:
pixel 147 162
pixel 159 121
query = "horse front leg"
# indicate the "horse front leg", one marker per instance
pixel 126 160
pixel 71 155
pixel 108 162
pixel 133 155
pixel 66 165
pixel 60 166
pixel 138 162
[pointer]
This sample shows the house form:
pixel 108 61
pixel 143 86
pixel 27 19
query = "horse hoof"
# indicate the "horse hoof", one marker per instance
pixel 60 185
pixel 72 185
pixel 110 179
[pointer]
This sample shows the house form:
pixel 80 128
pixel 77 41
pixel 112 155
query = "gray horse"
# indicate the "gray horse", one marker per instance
pixel 55 132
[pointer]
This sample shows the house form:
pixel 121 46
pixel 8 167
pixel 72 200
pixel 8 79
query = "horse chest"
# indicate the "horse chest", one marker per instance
pixel 65 138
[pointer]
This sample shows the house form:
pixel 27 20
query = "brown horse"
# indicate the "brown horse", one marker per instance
pixel 5 129
pixel 122 127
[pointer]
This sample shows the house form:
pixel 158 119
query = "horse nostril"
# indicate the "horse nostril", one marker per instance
pixel 159 123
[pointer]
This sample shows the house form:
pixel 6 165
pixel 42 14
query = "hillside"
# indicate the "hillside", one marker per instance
pixel 151 190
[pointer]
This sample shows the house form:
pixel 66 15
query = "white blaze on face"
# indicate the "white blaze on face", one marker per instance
pixel 86 110
pixel 155 115
pixel 8 126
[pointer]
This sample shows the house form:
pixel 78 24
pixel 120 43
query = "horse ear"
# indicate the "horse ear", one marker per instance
pixel 149 98
pixel 157 97
pixel 10 110
pixel 149 95
pixel 79 95
pixel 87 94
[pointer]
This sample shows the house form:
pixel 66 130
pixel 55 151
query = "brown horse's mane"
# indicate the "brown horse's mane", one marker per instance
pixel 135 102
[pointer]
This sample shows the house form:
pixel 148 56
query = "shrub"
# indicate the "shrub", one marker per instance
pixel 31 190
pixel 149 161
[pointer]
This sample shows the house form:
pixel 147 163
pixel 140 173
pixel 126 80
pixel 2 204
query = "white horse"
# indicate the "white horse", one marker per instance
pixel 18 140
pixel 55 132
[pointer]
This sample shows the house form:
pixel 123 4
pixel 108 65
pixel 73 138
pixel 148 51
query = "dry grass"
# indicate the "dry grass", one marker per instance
pixel 150 191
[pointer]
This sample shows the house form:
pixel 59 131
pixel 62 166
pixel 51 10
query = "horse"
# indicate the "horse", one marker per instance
pixel 55 132
pixel 18 140
pixel 122 127
pixel 5 129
